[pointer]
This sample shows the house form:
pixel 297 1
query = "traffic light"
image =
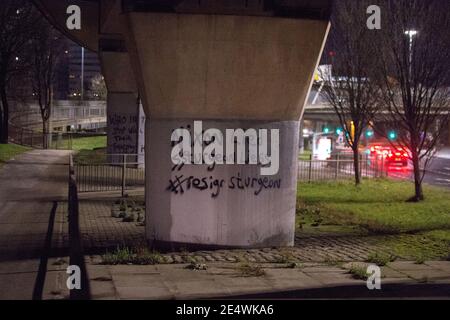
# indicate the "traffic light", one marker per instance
pixel 392 135
pixel 339 131
pixel 326 130
pixel 369 133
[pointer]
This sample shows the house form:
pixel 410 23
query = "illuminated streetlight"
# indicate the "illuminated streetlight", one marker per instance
pixel 411 34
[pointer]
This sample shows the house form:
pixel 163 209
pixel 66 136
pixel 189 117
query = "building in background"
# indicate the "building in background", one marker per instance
pixel 83 66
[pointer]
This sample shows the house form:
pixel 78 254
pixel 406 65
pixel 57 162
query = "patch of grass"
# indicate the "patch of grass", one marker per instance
pixel 96 156
pixel 138 256
pixel 89 143
pixel 378 206
pixel 9 151
pixel 420 260
pixel 305 156
pixel 329 261
pixel 285 257
pixel 381 259
pixel 413 231
pixel 250 270
pixel 358 273
pixel 416 247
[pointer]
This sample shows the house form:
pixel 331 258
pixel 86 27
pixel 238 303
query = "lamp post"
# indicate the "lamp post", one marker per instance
pixel 411 34
pixel 82 73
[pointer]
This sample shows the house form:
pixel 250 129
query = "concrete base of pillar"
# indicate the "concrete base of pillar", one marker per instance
pixel 244 212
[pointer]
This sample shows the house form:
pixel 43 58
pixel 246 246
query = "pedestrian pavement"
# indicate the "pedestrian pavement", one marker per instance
pixel 230 281
pixel 31 186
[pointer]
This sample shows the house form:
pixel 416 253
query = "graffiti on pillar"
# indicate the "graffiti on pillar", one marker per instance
pixel 180 184
pixel 189 148
pixel 123 131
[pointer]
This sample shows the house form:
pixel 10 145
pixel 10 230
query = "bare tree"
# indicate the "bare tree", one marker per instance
pixel 17 19
pixel 47 48
pixel 98 87
pixel 414 76
pixel 348 88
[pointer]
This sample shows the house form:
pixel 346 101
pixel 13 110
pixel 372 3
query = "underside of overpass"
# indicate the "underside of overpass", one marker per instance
pixel 231 64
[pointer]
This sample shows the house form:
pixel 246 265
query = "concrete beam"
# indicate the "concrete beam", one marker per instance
pixel 56 13
pixel 227 67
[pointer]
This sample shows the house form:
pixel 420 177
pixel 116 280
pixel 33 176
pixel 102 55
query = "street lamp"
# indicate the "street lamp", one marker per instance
pixel 411 34
pixel 82 74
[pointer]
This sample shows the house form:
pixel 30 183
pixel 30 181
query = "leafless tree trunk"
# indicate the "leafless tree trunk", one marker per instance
pixel 46 51
pixel 347 87
pixel 414 76
pixel 17 19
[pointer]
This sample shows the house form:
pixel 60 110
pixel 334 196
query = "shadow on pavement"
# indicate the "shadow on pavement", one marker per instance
pixel 392 290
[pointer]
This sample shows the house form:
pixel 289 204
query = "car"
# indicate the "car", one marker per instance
pixel 393 156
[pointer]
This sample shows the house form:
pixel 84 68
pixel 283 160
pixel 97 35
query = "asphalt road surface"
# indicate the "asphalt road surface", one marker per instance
pixel 438 173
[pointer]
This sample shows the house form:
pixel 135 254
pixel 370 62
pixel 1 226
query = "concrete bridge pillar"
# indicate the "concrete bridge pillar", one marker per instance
pixel 230 72
pixel 125 115
pixel 230 64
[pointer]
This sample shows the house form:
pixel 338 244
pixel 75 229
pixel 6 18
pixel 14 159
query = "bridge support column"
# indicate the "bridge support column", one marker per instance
pixel 222 205
pixel 229 72
pixel 125 115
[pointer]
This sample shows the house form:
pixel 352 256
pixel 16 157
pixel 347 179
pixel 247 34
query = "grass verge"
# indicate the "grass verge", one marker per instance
pixel 9 151
pixel 127 256
pixel 379 208
pixel 89 143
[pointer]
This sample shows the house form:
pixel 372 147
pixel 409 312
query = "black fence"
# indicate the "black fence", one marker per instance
pixel 122 172
pixel 75 240
pixel 125 172
pixel 341 168
pixel 39 140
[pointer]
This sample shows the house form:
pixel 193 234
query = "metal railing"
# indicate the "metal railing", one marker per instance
pixel 75 239
pixel 340 168
pixel 37 139
pixel 121 172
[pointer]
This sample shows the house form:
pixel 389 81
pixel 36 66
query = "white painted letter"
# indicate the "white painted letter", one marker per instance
pixel 74 280
pixel 198 142
pixel 216 147
pixel 181 152
pixel 241 136
pixel 374 280
pixel 374 21
pixel 74 20
pixel 274 158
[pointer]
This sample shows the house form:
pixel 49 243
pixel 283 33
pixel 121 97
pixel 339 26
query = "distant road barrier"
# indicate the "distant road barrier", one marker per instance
pixel 340 169
pixel 121 172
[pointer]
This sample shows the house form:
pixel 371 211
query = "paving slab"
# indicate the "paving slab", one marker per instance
pixel 409 265
pixel 441 265
pixel 225 280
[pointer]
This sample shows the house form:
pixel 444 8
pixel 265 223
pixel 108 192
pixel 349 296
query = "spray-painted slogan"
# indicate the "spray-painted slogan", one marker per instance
pixel 242 147
pixel 123 131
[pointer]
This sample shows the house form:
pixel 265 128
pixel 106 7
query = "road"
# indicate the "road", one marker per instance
pixel 438 173
pixel 30 187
